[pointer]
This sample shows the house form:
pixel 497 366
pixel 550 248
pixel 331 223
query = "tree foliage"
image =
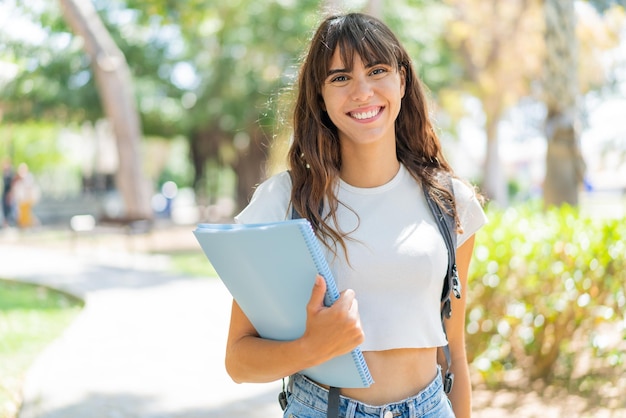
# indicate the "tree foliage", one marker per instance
pixel 213 72
pixel 52 77
pixel 216 72
pixel 502 48
pixel 499 44
pixel 547 296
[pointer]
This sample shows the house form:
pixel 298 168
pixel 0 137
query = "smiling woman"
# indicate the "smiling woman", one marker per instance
pixel 363 158
pixel 31 317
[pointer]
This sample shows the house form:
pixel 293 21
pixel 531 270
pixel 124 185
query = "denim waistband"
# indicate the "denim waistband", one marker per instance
pixel 316 397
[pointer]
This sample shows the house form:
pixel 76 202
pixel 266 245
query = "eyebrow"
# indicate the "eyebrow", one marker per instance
pixel 336 71
pixel 345 70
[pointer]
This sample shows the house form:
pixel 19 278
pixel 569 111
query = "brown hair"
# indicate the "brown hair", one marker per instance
pixel 314 155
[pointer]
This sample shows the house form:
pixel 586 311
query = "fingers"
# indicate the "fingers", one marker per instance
pixel 317 294
pixel 354 307
pixel 334 330
pixel 346 318
pixel 350 306
pixel 347 301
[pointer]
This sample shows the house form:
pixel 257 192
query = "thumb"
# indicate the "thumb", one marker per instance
pixel 318 293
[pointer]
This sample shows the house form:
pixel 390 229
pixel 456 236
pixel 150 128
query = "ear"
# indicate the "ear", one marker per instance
pixel 402 80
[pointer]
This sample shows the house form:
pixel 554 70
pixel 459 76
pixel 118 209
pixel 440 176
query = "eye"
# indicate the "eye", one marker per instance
pixel 379 71
pixel 339 79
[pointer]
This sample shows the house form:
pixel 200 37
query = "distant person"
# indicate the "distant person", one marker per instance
pixel 26 195
pixel 8 206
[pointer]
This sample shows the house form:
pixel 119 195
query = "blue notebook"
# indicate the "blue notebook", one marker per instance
pixel 270 269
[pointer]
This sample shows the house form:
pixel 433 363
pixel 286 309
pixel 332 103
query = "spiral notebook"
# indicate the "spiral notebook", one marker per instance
pixel 270 269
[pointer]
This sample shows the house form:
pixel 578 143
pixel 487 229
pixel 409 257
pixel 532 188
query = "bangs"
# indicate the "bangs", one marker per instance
pixel 367 38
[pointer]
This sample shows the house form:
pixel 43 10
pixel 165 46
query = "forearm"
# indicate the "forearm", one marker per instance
pixel 329 332
pixel 461 393
pixel 256 360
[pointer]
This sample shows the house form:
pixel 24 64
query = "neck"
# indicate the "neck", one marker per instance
pixel 369 169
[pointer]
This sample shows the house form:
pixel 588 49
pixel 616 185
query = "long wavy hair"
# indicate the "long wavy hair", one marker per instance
pixel 314 157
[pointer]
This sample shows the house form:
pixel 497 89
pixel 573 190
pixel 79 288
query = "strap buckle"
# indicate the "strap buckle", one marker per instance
pixel 282 400
pixel 456 283
pixel 448 382
pixel 446 310
pixel 282 396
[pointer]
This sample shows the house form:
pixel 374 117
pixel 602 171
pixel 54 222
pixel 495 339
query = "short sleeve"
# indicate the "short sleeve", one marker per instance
pixel 471 214
pixel 270 201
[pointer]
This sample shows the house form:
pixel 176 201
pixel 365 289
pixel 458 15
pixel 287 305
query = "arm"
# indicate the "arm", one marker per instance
pixel 461 394
pixel 329 332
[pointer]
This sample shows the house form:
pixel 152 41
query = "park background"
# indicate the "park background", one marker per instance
pixel 148 115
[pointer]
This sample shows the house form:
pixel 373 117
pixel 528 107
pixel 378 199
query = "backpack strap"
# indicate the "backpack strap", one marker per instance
pixel 452 284
pixel 294 213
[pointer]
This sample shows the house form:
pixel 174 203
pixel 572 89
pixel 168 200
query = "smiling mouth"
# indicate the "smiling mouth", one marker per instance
pixel 366 115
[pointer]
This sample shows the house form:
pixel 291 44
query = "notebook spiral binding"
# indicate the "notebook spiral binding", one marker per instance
pixel 332 294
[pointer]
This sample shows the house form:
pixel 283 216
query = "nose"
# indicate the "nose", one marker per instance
pixel 362 89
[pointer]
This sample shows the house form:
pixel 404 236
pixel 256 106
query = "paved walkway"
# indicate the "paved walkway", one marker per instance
pixel 148 344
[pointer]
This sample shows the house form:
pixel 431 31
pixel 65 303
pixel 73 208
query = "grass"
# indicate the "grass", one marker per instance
pixel 193 263
pixel 31 317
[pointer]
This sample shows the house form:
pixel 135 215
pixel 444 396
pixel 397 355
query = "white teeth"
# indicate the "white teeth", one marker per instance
pixel 366 115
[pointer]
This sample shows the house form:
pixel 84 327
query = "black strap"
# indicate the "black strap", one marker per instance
pixel 333 400
pixel 294 213
pixel 333 403
pixel 282 397
pixel 446 224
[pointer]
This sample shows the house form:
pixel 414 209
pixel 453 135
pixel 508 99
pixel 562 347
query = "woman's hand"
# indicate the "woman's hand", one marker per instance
pixel 335 330
pixel 330 332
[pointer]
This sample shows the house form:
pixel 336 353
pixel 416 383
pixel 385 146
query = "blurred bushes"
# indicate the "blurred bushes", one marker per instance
pixel 547 295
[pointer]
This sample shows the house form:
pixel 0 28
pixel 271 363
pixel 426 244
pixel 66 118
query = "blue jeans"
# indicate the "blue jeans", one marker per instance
pixel 309 400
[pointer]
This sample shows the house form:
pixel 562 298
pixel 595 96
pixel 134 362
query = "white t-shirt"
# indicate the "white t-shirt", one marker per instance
pixel 397 257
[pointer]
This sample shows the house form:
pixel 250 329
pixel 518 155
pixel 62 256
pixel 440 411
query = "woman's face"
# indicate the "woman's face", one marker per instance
pixel 363 102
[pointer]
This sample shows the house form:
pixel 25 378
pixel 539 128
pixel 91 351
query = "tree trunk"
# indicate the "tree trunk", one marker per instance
pixel 494 181
pixel 251 167
pixel 115 88
pixel 205 145
pixel 564 163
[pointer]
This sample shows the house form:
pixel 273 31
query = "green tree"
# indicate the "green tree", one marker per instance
pixel 505 48
pixel 236 57
pixel 216 73
pixel 498 44
pixel 565 167
pixel 242 58
pixel 54 83
pixel 563 86
pixel 115 88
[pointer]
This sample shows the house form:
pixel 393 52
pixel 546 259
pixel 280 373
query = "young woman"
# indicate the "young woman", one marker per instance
pixel 363 148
